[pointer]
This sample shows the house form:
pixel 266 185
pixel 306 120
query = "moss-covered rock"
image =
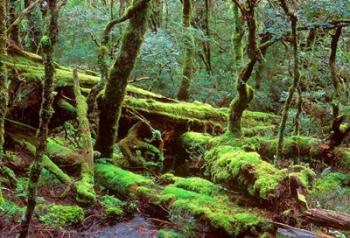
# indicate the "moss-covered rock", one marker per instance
pixel 61 215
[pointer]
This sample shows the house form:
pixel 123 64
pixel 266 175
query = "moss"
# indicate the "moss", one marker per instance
pixel 60 215
pixel 45 41
pixel 215 209
pixel 329 183
pixel 168 178
pixel 48 179
pixel 331 192
pixel 117 179
pixel 11 210
pixel 227 164
pixel 85 189
pixel 343 156
pixel 305 174
pixel 165 233
pixel 195 139
pixel 115 213
pixel 199 185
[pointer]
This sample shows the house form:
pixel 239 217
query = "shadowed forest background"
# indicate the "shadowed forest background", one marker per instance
pixel 174 118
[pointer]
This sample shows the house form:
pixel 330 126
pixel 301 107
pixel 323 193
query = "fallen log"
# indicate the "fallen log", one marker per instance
pixel 193 201
pixel 160 110
pixel 85 186
pixel 327 218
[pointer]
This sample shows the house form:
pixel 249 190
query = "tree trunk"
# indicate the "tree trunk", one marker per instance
pixel 188 64
pixel 237 39
pixel 3 80
pixel 296 78
pixel 244 92
pixel 333 69
pixel 85 186
pixel 47 43
pixel 118 79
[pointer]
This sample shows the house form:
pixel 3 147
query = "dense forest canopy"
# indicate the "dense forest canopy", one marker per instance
pixel 174 118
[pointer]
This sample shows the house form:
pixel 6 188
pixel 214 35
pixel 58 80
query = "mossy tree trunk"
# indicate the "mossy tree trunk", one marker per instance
pixel 188 64
pixel 334 73
pixel 3 80
pixel 296 78
pixel 85 187
pixel 237 36
pixel 47 42
pixel 118 79
pixel 244 92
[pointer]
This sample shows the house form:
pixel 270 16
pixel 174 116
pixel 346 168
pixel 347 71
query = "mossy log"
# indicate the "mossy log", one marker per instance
pixel 188 198
pixel 228 162
pixel 85 186
pixel 162 112
pixel 297 148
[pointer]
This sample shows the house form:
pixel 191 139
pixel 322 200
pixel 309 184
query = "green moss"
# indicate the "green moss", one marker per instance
pixel 11 210
pixel 331 192
pixel 305 174
pixel 215 209
pixel 329 183
pixel 115 213
pixel 48 179
pixel 168 178
pixel 165 233
pixel 195 139
pixel 227 164
pixel 343 156
pixel 117 179
pixel 60 215
pixel 198 185
pixel 45 41
pixel 85 189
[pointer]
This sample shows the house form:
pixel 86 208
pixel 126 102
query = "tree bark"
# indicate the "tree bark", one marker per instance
pixel 48 42
pixel 3 80
pixel 118 79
